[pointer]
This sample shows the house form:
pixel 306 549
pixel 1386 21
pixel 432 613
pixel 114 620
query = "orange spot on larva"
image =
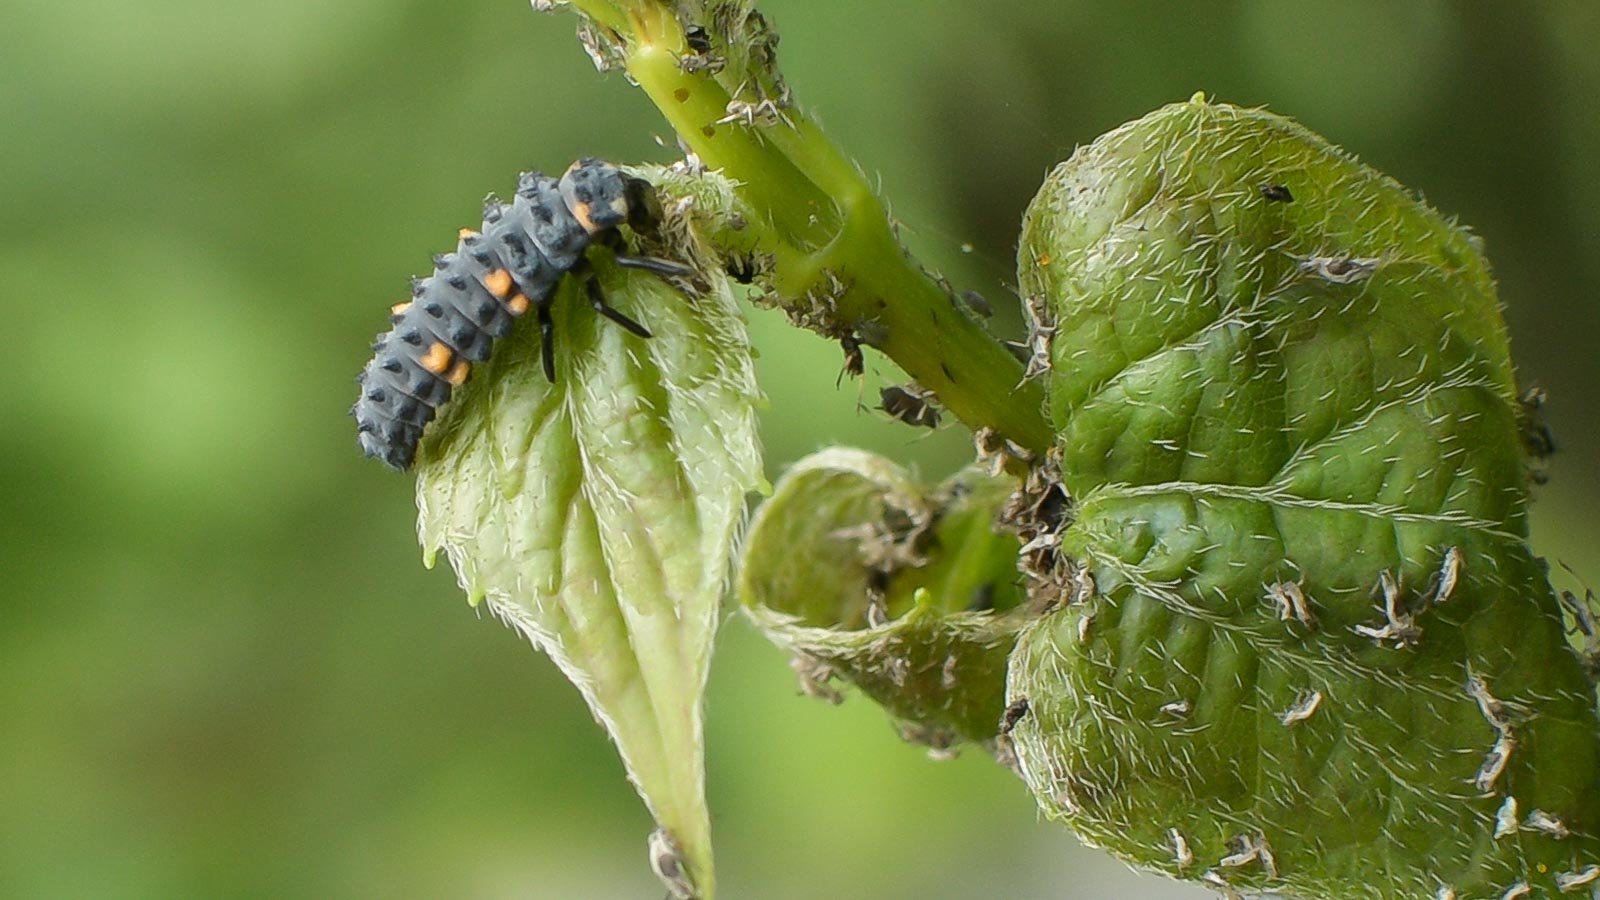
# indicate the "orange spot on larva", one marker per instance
pixel 498 282
pixel 466 233
pixel 580 211
pixel 437 359
pixel 399 309
pixel 458 375
pixel 1044 259
pixel 518 304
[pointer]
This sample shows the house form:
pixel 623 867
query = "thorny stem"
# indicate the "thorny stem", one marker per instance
pixel 837 262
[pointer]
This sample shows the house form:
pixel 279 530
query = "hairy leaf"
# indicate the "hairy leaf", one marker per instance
pixel 597 516
pixel 1319 658
pixel 901 590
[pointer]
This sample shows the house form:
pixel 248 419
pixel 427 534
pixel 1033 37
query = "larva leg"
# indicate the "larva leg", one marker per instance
pixel 547 339
pixel 597 299
pixel 663 267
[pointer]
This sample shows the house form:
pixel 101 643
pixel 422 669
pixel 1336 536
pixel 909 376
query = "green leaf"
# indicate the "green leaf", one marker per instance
pixel 1320 658
pixel 597 516
pixel 907 592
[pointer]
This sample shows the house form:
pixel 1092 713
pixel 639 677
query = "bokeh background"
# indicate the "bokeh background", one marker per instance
pixel 223 672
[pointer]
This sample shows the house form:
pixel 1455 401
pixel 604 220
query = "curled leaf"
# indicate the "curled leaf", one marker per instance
pixel 908 593
pixel 1318 658
pixel 597 515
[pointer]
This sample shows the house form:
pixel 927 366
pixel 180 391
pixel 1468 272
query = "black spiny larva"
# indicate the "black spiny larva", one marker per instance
pixel 495 276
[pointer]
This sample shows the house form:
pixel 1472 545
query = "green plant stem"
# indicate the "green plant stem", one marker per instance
pixel 828 234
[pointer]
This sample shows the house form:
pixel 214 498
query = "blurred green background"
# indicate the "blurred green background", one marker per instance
pixel 223 672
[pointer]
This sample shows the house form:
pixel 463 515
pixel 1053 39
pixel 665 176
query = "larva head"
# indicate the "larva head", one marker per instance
pixel 601 197
pixel 644 207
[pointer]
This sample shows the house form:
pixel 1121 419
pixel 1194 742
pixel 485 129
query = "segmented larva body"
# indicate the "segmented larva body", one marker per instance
pixel 494 277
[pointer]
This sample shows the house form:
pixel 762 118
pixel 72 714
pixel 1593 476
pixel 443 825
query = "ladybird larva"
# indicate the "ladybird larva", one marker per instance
pixel 512 266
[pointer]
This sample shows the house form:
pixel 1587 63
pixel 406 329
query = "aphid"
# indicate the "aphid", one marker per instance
pixel 976 302
pixel 1401 625
pixel 666 860
pixel 949 673
pixel 1494 764
pixel 1583 622
pixel 1269 862
pixel 743 268
pixel 1567 882
pixel 1277 193
pixel 815 678
pixel 1245 849
pixel 871 332
pixel 1490 706
pixel 877 606
pixel 1537 439
pixel 494 277
pixel 1083 586
pixel 1304 706
pixel 855 364
pixel 1181 854
pixel 1539 820
pixel 1505 819
pixel 996 451
pixel 698 39
pixel 762 112
pixel 1339 269
pixel 1220 884
pixel 1037 361
pixel 911 405
pixel 1444 582
pixel 1177 709
pixel 1014 713
pixel 1290 599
